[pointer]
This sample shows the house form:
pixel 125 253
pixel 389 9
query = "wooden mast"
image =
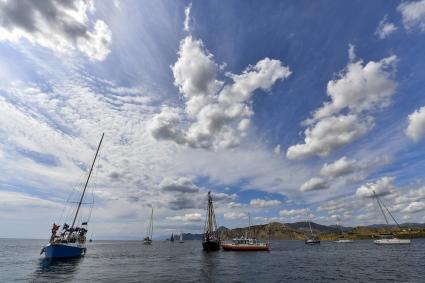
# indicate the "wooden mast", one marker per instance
pixel 87 181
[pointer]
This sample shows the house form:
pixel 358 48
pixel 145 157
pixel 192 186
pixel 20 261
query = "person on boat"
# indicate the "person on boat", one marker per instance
pixel 54 230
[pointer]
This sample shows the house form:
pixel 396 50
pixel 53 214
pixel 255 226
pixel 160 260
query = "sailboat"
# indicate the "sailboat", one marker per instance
pixel 211 239
pixel 91 238
pixel 172 238
pixel 245 243
pixel 181 238
pixel 342 239
pixel 148 239
pixel 312 238
pixel 388 239
pixel 72 240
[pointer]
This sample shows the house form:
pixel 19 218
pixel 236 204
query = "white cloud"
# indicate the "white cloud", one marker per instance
pixel 314 184
pixel 340 167
pixel 294 213
pixel 383 186
pixel 385 28
pixel 329 134
pixel 416 128
pixel 188 217
pixel 62 26
pixel 358 90
pixel 235 215
pixel 413 14
pixel 415 207
pixel 216 115
pixel 186 23
pixel 262 203
pixel 180 185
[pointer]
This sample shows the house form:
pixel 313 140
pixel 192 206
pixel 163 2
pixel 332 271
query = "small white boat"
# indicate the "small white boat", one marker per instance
pixel 344 241
pixel 390 239
pixel 181 239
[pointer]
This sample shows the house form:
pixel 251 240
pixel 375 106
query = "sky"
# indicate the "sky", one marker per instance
pixel 284 110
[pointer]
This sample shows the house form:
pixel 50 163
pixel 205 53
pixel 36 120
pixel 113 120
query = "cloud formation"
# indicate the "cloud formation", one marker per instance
pixel 413 14
pixel 186 23
pixel 385 28
pixel 359 90
pixel 263 203
pixel 295 213
pixel 62 26
pixel 416 127
pixel 338 168
pixel 314 184
pixel 381 187
pixel 216 114
pixel 180 185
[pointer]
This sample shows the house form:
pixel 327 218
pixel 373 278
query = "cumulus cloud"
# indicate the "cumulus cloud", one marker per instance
pixel 381 187
pixel 62 26
pixel 413 14
pixel 358 90
pixel 181 185
pixel 340 167
pixel 235 215
pixel 262 203
pixel 385 28
pixel 416 128
pixel 216 115
pixel 188 217
pixel 329 134
pixel 415 207
pixel 277 150
pixel 314 184
pixel 294 213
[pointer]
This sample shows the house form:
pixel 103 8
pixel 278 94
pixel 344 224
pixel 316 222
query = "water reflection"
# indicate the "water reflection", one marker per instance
pixel 209 265
pixel 56 269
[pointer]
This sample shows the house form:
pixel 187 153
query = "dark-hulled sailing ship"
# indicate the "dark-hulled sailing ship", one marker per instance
pixel 71 242
pixel 211 239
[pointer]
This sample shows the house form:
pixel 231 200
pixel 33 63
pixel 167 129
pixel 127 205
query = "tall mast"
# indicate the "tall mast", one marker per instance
pixel 311 230
pixel 87 182
pixel 380 207
pixel 151 226
pixel 210 214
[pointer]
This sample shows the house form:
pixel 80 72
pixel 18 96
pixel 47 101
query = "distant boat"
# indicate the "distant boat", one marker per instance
pixel 91 238
pixel 148 239
pixel 246 244
pixel 342 239
pixel 312 238
pixel 390 238
pixel 211 239
pixel 181 238
pixel 72 240
pixel 172 237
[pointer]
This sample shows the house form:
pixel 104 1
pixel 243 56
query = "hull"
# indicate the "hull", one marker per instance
pixel 211 246
pixel 147 242
pixel 232 247
pixel 344 241
pixel 312 242
pixel 392 242
pixel 64 250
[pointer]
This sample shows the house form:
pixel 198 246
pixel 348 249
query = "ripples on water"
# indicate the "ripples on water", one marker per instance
pixel 289 261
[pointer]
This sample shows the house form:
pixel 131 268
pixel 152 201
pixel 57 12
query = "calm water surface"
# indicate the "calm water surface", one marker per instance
pixel 289 261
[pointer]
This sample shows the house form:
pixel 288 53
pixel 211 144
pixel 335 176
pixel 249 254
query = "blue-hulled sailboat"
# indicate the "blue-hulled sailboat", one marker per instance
pixel 71 242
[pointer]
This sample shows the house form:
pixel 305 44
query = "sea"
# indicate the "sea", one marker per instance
pixel 288 261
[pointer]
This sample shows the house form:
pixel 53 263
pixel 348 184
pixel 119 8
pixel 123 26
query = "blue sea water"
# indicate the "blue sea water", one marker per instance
pixel 289 261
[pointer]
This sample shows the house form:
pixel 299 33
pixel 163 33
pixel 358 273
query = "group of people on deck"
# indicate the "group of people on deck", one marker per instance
pixel 68 235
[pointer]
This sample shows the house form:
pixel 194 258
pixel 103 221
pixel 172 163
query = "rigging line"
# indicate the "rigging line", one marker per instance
pixel 391 215
pixel 380 206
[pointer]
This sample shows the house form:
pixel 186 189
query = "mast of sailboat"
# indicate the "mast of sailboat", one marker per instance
pixel 151 225
pixel 211 218
pixel 87 181
pixel 311 230
pixel 382 210
pixel 249 223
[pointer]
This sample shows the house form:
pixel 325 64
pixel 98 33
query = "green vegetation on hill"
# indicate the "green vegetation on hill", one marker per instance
pixel 300 231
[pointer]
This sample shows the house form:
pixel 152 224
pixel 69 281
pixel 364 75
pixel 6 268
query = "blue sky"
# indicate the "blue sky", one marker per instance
pixel 283 109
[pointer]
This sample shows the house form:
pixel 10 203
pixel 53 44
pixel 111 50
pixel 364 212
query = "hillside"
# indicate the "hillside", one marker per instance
pixel 300 230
